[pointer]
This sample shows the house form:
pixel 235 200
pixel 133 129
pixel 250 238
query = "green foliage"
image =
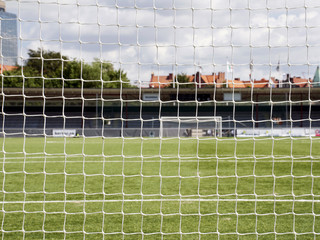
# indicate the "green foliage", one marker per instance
pixel 52 70
pixel 182 81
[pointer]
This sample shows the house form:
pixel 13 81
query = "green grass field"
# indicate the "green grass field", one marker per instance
pixel 113 188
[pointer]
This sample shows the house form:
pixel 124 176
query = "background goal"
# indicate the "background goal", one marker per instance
pixel 160 119
pixel 191 127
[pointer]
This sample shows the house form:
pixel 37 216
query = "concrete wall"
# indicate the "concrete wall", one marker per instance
pixel 278 132
pixel 167 132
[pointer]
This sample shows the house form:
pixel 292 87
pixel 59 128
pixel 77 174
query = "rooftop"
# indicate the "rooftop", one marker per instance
pixel 219 81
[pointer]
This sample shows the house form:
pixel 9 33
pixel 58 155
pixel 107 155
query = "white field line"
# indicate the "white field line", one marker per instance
pixel 202 156
pixel 41 160
pixel 293 141
pixel 163 200
pixel 173 159
pixel 184 140
pixel 166 161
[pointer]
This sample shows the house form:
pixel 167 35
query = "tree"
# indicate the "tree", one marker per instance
pixel 183 81
pixel 52 70
pixel 104 73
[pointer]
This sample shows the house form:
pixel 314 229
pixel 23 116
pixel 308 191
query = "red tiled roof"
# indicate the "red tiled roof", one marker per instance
pixel 160 81
pixel 236 84
pixel 4 68
pixel 164 81
pixel 191 78
pixel 301 82
pixel 263 83
pixel 220 80
pixel 205 79
pixel 208 79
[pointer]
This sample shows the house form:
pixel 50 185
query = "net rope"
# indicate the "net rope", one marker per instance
pixel 89 158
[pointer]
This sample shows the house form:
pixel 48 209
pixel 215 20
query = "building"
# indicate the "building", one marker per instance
pixel 298 82
pixel 8 37
pixel 219 81
pixel 237 83
pixel 160 81
pixel 201 80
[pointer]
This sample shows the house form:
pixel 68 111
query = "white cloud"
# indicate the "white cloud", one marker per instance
pixel 183 18
pixel 68 13
pixel 165 35
pixel 259 18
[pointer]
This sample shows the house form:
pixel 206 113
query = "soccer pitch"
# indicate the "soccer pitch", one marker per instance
pixel 151 188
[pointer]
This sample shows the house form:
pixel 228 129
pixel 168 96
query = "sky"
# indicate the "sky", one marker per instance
pixel 180 36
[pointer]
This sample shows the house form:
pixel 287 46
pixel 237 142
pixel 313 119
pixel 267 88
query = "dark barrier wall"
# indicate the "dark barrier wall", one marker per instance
pixel 91 132
pixel 234 116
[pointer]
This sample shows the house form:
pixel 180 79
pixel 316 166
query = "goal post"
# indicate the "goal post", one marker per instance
pixel 190 127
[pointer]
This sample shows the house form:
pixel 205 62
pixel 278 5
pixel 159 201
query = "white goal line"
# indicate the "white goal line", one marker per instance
pixel 201 156
pixel 163 200
pixel 163 160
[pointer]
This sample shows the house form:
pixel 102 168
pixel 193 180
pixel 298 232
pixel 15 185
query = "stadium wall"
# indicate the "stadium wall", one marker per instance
pixel 238 116
pixel 167 132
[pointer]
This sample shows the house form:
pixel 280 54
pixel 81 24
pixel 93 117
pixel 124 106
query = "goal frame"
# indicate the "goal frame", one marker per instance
pixel 216 119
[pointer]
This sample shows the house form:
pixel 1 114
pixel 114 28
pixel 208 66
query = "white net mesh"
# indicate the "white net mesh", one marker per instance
pixel 83 150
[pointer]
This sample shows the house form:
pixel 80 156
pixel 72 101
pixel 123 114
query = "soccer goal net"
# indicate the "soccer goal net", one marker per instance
pixel 190 127
pixel 115 117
